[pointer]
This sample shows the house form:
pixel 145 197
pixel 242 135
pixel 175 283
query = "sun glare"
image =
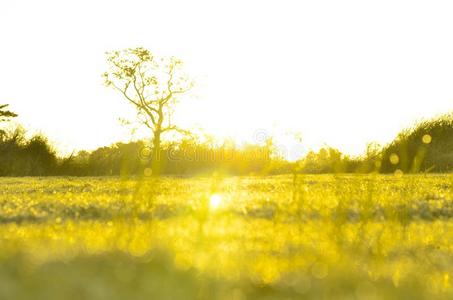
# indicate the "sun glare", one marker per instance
pixel 215 201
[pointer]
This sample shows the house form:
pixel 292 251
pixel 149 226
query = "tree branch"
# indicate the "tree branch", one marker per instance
pixel 177 129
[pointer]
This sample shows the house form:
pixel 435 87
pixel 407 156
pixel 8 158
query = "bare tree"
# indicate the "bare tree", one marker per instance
pixel 152 85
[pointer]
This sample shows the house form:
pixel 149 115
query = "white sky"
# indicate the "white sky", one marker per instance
pixel 341 72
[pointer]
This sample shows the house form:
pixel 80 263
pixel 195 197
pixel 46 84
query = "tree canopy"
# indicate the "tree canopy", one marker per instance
pixel 5 115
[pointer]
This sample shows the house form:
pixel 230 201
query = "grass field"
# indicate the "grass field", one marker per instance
pixel 305 237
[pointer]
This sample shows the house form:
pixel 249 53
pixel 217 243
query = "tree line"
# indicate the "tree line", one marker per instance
pixel 426 147
pixel 35 156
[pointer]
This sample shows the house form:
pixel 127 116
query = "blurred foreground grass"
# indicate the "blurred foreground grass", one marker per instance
pixel 306 237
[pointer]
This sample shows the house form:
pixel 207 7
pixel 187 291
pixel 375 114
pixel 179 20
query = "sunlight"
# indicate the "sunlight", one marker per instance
pixel 242 150
pixel 215 201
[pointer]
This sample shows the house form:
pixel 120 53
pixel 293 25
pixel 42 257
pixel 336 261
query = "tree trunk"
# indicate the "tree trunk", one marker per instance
pixel 155 160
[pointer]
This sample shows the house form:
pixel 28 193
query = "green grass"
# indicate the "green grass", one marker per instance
pixel 310 237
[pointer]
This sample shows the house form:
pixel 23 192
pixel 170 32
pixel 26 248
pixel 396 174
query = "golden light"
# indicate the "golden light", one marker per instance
pixel 426 139
pixel 215 201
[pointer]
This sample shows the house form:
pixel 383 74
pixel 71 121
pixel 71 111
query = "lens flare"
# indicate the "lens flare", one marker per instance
pixel 215 201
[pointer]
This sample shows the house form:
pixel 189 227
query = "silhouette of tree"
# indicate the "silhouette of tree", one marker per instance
pixel 152 85
pixel 6 114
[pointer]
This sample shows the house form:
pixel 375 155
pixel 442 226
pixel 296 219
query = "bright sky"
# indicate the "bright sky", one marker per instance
pixel 341 72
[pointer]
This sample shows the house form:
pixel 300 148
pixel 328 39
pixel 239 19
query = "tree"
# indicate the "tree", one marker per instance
pixel 6 114
pixel 152 85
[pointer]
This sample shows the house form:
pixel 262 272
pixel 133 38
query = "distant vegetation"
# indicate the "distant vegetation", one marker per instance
pixel 20 156
pixel 427 147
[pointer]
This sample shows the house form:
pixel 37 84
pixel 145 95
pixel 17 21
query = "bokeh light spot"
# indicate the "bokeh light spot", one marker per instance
pixel 399 173
pixel 426 139
pixel 394 159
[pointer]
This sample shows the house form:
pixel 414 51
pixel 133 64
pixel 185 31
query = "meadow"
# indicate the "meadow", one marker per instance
pixel 215 237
